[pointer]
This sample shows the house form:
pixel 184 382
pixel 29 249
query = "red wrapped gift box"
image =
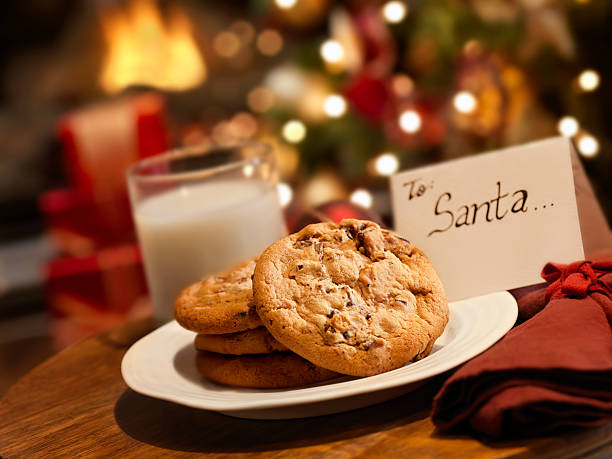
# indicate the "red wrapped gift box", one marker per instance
pixel 87 295
pixel 101 283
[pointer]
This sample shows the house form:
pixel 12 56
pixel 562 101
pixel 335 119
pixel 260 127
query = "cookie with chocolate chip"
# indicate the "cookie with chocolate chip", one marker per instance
pixel 284 369
pixel 350 297
pixel 219 304
pixel 256 341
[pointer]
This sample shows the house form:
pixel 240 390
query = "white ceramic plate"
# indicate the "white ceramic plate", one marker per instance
pixel 162 365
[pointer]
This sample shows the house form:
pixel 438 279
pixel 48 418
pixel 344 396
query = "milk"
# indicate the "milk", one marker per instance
pixel 202 229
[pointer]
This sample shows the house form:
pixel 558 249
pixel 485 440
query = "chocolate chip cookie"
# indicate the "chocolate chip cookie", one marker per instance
pixel 219 304
pixel 266 371
pixel 350 297
pixel 256 341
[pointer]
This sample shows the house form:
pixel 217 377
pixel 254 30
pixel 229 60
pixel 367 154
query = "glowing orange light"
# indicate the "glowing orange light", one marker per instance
pixel 143 50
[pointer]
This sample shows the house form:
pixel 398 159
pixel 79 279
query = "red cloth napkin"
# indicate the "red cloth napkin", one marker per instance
pixel 552 370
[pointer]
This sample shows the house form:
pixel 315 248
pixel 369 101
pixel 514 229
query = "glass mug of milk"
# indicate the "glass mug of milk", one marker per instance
pixel 201 210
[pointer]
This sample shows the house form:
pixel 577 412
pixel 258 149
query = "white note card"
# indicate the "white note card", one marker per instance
pixel 490 222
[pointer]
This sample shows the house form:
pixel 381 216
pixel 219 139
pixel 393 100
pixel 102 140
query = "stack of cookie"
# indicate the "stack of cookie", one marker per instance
pixel 234 347
pixel 348 298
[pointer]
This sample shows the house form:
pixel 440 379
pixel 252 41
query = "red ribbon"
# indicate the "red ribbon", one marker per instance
pixel 577 280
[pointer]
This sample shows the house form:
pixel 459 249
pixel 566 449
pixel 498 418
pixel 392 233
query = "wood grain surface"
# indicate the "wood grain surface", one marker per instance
pixel 76 404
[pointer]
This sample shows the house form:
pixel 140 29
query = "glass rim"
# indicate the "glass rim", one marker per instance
pixel 134 172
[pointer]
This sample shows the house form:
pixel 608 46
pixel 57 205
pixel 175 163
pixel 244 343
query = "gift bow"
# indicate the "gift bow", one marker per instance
pixel 578 279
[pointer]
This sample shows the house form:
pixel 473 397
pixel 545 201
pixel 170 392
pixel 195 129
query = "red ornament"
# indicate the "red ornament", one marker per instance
pixel 369 96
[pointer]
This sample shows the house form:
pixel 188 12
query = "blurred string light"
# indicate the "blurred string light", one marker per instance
pixel 361 197
pixel 294 131
pixel 248 170
pixel 386 164
pixel 287 82
pixel 325 185
pixel 244 30
pixel 410 121
pixel 226 44
pixel 465 102
pixel 402 85
pixel 568 126
pixel 285 194
pixel 332 51
pixel 244 124
pixel 286 4
pixel 269 42
pixel 344 30
pixel 394 12
pixel 588 80
pixel 588 145
pixel 472 48
pixel 260 99
pixel 334 106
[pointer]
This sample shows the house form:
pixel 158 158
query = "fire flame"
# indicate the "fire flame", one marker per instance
pixel 143 50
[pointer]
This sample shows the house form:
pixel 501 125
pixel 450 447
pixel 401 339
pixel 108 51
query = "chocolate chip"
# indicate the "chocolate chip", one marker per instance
pixel 329 328
pixel 346 334
pixel 300 267
pixel 350 300
pixel 242 313
pixel 368 316
pixel 331 314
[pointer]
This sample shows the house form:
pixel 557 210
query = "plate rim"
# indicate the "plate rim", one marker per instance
pixel 256 400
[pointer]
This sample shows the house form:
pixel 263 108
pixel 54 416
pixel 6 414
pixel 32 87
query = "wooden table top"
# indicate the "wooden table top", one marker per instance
pixel 76 403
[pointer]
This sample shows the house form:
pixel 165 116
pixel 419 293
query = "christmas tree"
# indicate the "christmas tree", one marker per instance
pixel 364 89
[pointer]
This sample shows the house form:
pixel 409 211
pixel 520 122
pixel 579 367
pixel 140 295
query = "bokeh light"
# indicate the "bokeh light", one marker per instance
pixel 568 126
pixel 285 4
pixel 361 197
pixel 410 121
pixel 394 12
pixel 588 146
pixel 260 99
pixel 294 131
pixel 285 194
pixel 334 106
pixel 269 42
pixel 386 164
pixel 226 44
pixel 402 85
pixel 465 102
pixel 588 80
pixel 332 51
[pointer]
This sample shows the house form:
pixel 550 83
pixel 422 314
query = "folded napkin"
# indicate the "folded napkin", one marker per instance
pixel 552 370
